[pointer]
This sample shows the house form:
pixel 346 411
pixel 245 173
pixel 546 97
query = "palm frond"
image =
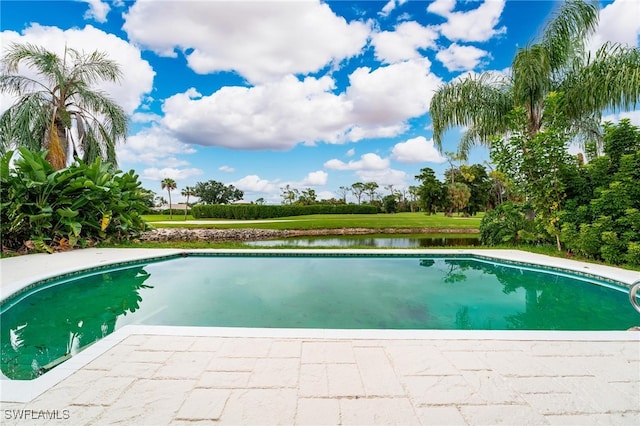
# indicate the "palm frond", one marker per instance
pixel 610 79
pixel 531 70
pixel 566 34
pixel 480 102
pixel 42 61
pixel 26 122
pixel 19 85
pixel 95 67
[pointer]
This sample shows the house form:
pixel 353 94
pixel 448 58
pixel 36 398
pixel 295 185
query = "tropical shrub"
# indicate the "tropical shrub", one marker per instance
pixel 507 224
pixel 46 210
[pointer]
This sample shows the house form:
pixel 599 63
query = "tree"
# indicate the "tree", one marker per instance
pixel 307 197
pixel 558 62
pixel 429 193
pixel 357 189
pixel 536 161
pixel 620 139
pixel 370 189
pixel 188 191
pixel 476 178
pixel 459 195
pixel 390 203
pixel 214 192
pixel 343 191
pixel 169 184
pixel 413 196
pixel 288 194
pixel 61 113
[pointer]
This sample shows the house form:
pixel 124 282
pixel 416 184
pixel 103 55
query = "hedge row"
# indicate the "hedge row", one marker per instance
pixel 259 211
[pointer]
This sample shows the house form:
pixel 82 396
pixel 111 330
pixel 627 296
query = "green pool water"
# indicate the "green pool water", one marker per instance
pixel 52 322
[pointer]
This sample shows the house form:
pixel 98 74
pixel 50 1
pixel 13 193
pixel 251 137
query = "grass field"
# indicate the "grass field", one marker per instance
pixel 329 221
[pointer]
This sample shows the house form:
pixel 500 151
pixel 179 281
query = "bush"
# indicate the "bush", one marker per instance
pixel 43 209
pixel 506 224
pixel 633 253
pixel 258 211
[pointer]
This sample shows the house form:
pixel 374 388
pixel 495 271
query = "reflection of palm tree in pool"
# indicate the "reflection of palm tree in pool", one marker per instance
pixel 57 329
pixel 454 274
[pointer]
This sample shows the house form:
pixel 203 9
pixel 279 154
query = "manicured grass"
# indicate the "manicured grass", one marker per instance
pixel 328 221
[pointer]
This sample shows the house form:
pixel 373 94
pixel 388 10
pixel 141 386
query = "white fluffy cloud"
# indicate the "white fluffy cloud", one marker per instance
pixel 461 58
pixel 154 173
pixel 262 41
pixel 417 150
pixel 383 177
pixel 403 43
pixel 137 78
pixel 226 169
pixel 620 23
pixel 370 168
pixel 278 115
pixel 325 195
pixel 98 10
pixel 271 116
pixel 387 8
pixel 367 161
pixel 254 184
pixel 154 146
pixel 389 95
pixel 475 25
pixel 317 178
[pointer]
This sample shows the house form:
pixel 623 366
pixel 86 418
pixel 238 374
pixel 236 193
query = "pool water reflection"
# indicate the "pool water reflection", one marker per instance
pixel 300 291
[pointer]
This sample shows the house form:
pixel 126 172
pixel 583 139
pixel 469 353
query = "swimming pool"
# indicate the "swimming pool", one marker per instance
pixel 53 321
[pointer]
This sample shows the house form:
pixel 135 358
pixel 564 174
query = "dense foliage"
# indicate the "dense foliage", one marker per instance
pixel 466 189
pixel 45 210
pixel 602 218
pixel 588 209
pixel 258 211
pixel 507 224
pixel 214 192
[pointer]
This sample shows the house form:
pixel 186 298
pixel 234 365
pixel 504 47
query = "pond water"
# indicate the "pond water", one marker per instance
pixel 377 241
pixel 51 323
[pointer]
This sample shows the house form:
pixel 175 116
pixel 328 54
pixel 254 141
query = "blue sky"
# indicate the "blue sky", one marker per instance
pixel 261 94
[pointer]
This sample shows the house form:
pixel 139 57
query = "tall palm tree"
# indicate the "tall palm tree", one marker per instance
pixel 187 192
pixel 59 111
pixel 558 61
pixel 169 184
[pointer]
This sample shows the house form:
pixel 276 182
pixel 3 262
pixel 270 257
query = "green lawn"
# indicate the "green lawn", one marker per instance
pixel 330 221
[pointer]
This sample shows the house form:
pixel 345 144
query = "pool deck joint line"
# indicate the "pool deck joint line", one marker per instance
pixel 161 375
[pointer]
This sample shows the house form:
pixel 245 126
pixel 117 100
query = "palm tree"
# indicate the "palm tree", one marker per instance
pixel 559 61
pixel 169 184
pixel 187 192
pixel 59 111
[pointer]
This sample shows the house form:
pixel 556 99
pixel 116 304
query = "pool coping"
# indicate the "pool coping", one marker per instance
pixel 20 272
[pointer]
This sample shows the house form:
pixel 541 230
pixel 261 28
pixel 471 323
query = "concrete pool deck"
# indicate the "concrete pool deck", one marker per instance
pixel 188 375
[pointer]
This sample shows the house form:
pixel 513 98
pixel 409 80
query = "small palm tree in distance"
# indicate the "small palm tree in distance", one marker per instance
pixel 169 184
pixel 187 192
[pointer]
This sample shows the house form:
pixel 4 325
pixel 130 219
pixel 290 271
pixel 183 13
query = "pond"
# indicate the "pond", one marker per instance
pixel 375 241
